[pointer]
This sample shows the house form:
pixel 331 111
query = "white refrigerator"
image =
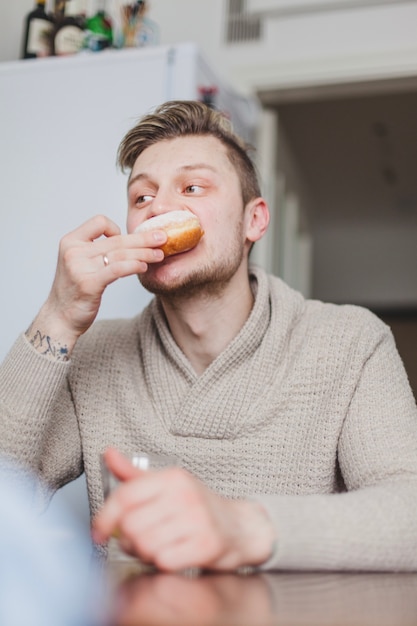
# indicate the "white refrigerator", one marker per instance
pixel 61 121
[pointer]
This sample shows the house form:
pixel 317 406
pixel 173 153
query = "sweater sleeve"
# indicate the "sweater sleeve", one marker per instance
pixel 38 425
pixel 373 526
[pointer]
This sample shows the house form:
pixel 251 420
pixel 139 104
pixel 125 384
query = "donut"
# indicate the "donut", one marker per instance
pixel 182 227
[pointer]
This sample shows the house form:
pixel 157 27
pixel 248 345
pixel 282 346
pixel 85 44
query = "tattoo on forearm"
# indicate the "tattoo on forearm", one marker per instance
pixel 45 345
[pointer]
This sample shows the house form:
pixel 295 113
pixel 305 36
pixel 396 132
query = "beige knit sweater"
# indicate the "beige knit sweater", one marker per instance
pixel 308 410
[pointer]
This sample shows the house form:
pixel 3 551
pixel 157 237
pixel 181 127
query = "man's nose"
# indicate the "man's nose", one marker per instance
pixel 166 200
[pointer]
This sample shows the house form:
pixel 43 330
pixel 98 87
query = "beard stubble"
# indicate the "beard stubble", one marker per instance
pixel 210 280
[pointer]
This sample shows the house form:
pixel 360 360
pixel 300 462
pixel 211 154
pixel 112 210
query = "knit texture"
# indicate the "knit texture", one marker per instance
pixel 308 410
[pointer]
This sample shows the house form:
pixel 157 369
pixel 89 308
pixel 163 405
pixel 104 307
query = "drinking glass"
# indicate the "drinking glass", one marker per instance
pixel 144 461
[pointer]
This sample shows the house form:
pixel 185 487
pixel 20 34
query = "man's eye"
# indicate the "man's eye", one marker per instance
pixel 143 199
pixel 192 188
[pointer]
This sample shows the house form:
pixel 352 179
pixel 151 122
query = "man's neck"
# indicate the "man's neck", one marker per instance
pixel 203 326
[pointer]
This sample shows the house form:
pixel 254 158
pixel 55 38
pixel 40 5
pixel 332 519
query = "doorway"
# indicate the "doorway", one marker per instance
pixel 355 153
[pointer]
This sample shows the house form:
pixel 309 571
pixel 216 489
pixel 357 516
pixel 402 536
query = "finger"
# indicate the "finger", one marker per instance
pixel 95 227
pixel 139 241
pixel 138 488
pixel 152 519
pixel 145 531
pixel 107 520
pixel 180 555
pixel 122 256
pixel 120 465
pixel 148 238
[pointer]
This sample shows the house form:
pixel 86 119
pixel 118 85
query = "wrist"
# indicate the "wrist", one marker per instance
pixel 49 335
pixel 259 534
pixel 253 537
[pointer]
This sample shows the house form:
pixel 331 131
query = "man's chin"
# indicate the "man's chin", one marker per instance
pixel 183 288
pixel 178 280
pixel 159 280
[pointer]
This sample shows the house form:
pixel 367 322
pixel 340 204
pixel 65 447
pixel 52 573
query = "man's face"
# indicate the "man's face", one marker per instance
pixel 191 173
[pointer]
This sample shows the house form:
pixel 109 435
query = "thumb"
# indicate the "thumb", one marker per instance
pixel 119 465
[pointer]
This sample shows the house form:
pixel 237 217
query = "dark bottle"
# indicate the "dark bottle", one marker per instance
pixel 37 33
pixel 68 35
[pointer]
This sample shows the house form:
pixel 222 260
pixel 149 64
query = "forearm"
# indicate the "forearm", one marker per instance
pixel 34 400
pixel 371 529
pixel 374 525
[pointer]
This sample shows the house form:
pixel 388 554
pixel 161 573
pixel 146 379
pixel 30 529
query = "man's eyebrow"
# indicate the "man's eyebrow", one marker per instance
pixel 182 168
pixel 197 166
pixel 137 177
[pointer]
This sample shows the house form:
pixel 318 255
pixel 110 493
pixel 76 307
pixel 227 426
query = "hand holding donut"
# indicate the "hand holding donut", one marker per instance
pixel 91 257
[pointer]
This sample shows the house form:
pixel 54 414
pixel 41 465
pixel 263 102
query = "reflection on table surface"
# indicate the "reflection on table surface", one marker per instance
pixel 262 599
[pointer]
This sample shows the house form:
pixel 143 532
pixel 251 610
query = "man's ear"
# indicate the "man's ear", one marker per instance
pixel 256 219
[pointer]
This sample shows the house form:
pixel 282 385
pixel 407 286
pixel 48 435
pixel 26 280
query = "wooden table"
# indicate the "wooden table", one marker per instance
pixel 266 599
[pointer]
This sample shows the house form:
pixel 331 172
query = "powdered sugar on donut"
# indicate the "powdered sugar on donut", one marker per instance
pixel 161 221
pixel 183 229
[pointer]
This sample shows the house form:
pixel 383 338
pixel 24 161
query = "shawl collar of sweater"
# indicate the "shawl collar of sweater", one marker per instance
pixel 222 402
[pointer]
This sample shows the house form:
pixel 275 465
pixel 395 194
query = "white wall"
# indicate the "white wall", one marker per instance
pixel 11 18
pixel 387 250
pixel 329 46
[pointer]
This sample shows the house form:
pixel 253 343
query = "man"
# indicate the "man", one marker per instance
pixel 293 420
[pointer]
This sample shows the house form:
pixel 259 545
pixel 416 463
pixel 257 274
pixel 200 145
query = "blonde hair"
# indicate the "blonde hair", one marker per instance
pixel 181 118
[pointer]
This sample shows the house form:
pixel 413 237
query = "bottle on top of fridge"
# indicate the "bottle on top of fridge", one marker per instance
pixel 69 34
pixel 99 28
pixel 37 32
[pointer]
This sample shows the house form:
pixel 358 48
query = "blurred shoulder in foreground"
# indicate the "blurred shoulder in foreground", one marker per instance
pixel 45 568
